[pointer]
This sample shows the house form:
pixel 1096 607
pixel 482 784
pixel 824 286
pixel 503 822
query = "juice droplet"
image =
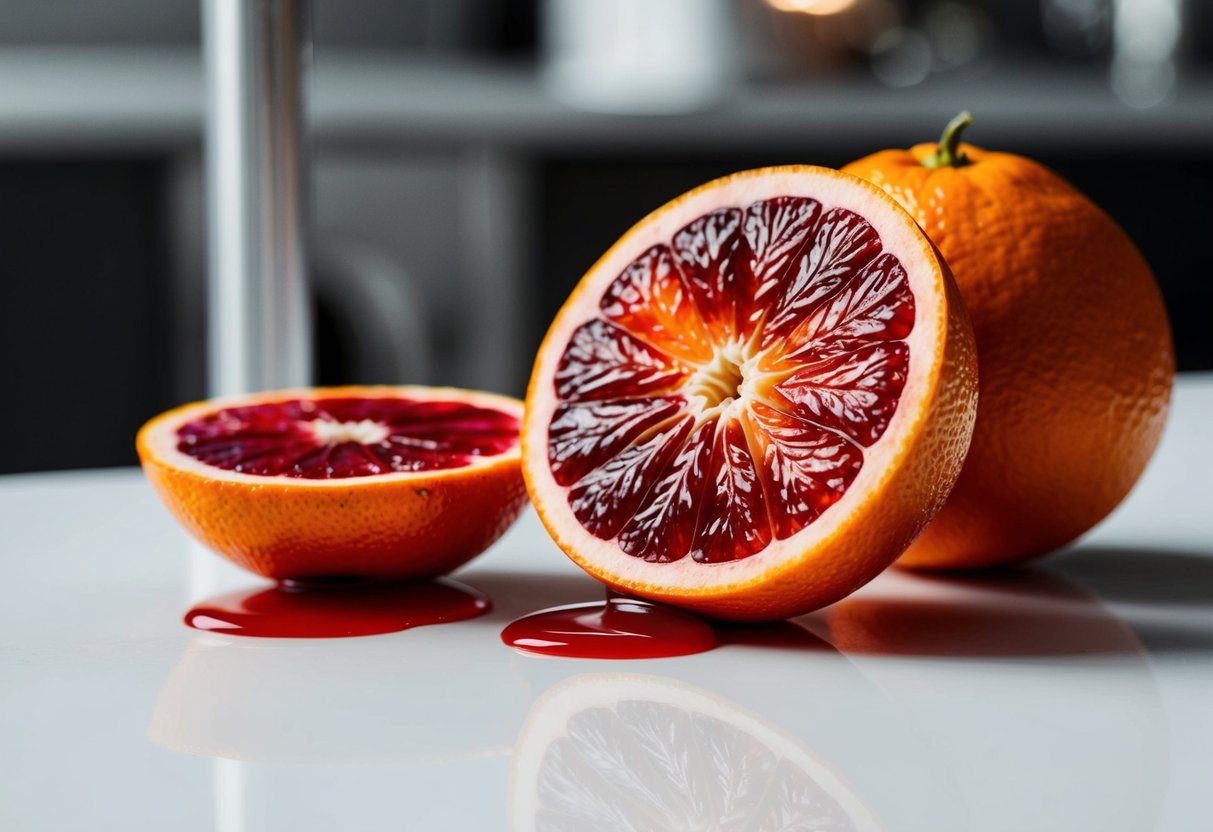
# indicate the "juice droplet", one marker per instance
pixel 337 609
pixel 617 628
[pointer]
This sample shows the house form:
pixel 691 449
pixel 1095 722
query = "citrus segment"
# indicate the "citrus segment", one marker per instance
pixel 842 243
pixel 709 390
pixel 874 305
pixel 733 515
pixel 663 529
pixel 584 435
pixel 806 470
pixel 649 297
pixel 706 251
pixel 604 361
pixel 604 499
pixel 852 393
pixel 776 231
pixel 370 482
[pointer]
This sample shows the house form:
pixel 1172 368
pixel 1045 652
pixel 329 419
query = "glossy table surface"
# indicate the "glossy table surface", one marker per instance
pixel 1073 695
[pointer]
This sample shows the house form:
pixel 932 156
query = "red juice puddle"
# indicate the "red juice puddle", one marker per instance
pixel 617 628
pixel 337 609
pixel 622 627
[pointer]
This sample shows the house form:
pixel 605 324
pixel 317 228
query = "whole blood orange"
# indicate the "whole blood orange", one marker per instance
pixel 755 400
pixel 371 482
pixel 1073 341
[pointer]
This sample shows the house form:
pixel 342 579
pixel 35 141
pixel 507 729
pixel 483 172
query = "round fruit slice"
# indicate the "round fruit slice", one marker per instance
pixel 372 482
pixel 755 400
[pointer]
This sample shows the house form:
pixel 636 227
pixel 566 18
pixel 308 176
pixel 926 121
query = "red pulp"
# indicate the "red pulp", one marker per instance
pixel 725 391
pixel 333 438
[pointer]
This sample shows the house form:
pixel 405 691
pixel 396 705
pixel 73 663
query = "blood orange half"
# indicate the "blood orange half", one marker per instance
pixel 755 400
pixel 372 482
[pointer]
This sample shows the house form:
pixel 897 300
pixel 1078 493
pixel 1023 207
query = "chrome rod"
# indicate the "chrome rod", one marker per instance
pixel 259 322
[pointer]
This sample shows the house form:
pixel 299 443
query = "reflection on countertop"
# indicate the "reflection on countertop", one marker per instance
pixel 398 698
pixel 621 751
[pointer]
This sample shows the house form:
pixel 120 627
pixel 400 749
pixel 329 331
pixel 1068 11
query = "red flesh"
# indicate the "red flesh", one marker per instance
pixel 276 439
pixel 813 292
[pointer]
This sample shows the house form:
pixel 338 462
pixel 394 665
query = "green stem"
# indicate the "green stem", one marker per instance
pixel 949 154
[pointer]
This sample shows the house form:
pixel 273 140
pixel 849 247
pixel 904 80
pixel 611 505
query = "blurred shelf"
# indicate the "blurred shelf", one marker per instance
pixel 63 100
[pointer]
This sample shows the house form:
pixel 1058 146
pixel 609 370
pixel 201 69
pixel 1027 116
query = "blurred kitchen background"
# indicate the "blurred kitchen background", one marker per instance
pixel 471 158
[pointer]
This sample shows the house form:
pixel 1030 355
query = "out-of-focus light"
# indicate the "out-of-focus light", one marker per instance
pixel 1076 27
pixel 1145 46
pixel 901 57
pixel 1147 29
pixel 956 32
pixel 815 7
pixel 1143 85
pixel 637 56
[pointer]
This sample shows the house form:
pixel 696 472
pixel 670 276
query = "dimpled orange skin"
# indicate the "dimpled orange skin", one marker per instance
pixel 367 527
pixel 1076 361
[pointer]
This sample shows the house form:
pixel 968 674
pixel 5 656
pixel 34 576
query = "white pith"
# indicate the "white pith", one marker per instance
pixel 718 382
pixel 899 237
pixel 364 432
pixel 161 439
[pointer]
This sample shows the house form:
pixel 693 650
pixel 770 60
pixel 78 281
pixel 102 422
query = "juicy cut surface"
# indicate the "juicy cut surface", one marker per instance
pixel 335 438
pixel 724 393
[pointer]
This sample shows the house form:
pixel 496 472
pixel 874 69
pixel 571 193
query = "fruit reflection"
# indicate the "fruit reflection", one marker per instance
pixel 1039 700
pixel 608 751
pixel 1025 613
pixel 400 696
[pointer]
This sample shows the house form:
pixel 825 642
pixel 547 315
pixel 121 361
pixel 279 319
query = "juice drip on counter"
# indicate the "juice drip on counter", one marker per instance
pixel 337 609
pixel 617 628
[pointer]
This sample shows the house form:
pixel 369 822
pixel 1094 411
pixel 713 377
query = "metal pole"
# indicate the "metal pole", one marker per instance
pixel 259 328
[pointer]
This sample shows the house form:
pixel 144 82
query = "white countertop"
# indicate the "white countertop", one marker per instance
pixel 1073 696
